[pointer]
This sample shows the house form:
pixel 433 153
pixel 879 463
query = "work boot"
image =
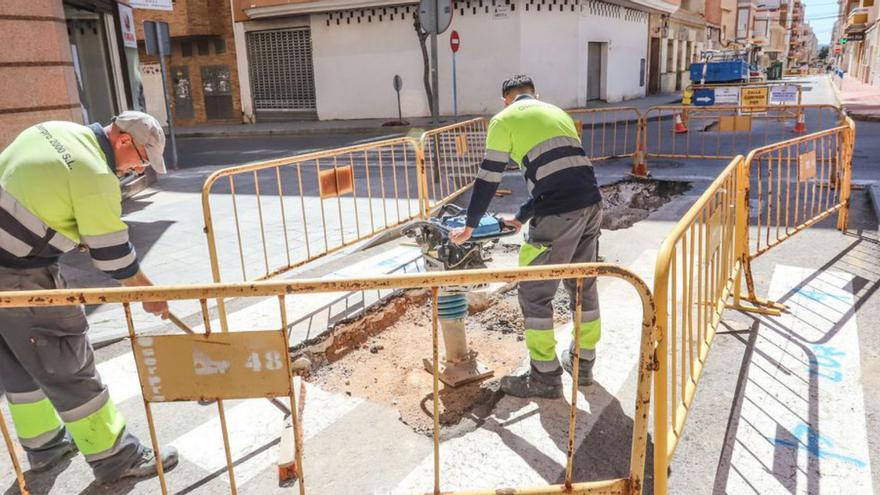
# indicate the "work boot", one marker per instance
pixel 585 370
pixel 533 384
pixel 47 459
pixel 145 465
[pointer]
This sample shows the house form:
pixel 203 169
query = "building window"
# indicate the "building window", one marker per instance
pixel 204 47
pixel 219 46
pixel 742 24
pixel 186 48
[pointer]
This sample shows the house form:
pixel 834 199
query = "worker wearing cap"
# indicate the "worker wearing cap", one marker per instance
pixel 59 189
pixel 565 213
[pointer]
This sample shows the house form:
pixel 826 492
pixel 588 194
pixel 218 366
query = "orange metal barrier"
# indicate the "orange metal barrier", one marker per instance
pixel 722 132
pixel 253 364
pixel 451 157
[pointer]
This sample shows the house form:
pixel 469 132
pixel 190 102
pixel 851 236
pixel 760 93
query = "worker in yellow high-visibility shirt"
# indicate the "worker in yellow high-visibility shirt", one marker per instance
pixel 59 188
pixel 565 213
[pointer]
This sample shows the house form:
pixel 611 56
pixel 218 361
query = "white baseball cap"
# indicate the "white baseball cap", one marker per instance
pixel 145 130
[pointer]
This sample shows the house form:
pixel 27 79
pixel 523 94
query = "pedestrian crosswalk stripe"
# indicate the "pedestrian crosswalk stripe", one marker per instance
pixel 255 426
pixel 802 426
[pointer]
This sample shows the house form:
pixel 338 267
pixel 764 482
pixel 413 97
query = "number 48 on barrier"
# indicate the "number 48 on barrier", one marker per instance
pixel 235 365
pixel 272 360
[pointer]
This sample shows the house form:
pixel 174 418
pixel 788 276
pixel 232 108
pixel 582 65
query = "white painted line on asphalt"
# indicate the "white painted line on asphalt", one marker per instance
pixel 120 376
pixel 265 314
pixel 802 426
pixel 525 442
pixel 254 425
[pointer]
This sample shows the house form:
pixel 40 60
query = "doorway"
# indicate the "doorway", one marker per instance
pixel 595 70
pixel 90 53
pixel 654 71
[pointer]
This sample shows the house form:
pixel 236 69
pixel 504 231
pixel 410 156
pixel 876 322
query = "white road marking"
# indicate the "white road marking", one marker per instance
pixel 523 441
pixel 802 424
pixel 265 314
pixel 120 376
pixel 254 425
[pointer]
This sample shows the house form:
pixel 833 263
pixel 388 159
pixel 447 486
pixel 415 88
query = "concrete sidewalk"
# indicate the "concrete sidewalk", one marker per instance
pixel 374 126
pixel 861 101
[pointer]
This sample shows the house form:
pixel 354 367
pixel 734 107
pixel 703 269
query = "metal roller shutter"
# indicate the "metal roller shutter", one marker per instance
pixel 282 73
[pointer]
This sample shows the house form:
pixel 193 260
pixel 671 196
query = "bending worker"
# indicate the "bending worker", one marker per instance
pixel 59 189
pixel 565 214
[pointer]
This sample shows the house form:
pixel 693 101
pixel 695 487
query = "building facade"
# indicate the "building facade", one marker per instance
pixel 860 55
pixel 202 75
pixel 83 69
pixel 335 60
pixel 678 39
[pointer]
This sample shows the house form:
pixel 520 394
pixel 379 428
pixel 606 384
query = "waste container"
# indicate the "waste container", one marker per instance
pixel 774 72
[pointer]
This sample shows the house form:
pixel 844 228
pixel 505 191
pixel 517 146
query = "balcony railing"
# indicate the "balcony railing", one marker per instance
pixel 858 16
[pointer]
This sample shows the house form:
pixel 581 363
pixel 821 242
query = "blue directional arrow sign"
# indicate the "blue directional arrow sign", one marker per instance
pixel 704 97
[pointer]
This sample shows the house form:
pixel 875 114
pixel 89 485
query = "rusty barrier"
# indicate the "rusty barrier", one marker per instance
pixel 723 132
pixel 254 364
pixel 700 266
pixel 451 157
pixel 265 218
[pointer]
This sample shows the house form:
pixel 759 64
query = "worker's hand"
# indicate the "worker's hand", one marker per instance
pixel 461 234
pixel 158 308
pixel 510 221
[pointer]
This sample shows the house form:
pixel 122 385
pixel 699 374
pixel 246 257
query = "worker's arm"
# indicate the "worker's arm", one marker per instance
pixel 498 144
pixel 97 206
pixel 140 279
pixel 488 178
pixel 526 211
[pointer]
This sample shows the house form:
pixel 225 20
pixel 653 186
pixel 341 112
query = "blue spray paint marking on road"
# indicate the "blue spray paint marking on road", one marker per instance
pixel 814 443
pixel 824 358
pixel 821 296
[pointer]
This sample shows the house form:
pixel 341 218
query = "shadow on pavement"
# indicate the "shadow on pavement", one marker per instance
pixel 859 260
pixel 604 452
pixel 39 483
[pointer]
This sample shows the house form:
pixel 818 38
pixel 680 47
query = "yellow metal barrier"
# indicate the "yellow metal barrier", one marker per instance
pixel 306 206
pixel 256 363
pixel 796 184
pixel 722 132
pixel 451 157
pixel 702 262
pixel 611 132
pixel 696 272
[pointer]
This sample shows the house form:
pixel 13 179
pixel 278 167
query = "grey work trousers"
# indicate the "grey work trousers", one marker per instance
pixel 559 239
pixel 45 354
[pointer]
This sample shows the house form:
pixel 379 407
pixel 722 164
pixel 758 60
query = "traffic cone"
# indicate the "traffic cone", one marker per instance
pixel 639 166
pixel 679 125
pixel 800 126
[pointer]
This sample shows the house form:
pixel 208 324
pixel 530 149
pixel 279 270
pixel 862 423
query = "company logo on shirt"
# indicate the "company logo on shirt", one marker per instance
pixel 58 146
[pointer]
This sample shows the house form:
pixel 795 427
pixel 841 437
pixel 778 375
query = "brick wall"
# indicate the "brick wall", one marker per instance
pixel 38 80
pixel 214 22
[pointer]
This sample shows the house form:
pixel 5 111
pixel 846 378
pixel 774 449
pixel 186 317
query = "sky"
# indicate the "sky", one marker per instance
pixel 821 15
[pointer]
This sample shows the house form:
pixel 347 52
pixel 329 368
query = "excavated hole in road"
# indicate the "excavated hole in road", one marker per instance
pixel 379 356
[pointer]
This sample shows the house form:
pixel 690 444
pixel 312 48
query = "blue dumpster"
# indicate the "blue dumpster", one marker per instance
pixel 722 71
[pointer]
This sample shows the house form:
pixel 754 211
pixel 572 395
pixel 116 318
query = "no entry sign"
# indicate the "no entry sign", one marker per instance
pixel 454 41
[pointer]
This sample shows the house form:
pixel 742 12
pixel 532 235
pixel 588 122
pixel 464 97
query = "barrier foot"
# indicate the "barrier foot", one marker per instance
pixel 287 469
pixel 760 306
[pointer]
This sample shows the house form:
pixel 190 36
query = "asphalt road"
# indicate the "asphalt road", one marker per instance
pixel 226 151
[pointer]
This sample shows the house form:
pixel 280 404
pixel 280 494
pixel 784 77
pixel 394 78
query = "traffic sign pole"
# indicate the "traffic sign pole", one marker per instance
pixel 435 76
pixel 454 43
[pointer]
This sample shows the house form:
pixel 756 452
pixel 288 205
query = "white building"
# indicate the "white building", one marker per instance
pixel 334 59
